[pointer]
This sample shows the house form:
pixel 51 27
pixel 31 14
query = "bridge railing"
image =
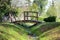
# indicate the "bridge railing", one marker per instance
pixel 30 15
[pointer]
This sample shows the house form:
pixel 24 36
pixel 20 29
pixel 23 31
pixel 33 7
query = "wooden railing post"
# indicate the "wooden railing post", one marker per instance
pixel 26 15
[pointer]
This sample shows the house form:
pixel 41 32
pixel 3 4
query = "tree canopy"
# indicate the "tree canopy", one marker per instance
pixel 52 10
pixel 5 8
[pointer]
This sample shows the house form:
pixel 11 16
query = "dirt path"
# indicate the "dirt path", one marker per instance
pixel 32 38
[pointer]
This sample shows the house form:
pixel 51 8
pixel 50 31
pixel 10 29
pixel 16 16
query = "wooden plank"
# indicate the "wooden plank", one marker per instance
pixel 30 11
pixel 24 15
pixel 31 21
pixel 32 16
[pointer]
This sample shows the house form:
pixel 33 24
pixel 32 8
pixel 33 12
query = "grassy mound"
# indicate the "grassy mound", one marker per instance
pixel 53 34
pixel 12 32
pixel 41 28
pixel 45 31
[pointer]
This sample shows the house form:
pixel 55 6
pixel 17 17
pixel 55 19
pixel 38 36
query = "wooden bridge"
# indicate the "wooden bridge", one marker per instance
pixel 30 16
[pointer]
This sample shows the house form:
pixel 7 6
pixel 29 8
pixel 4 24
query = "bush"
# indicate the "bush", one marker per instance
pixel 50 19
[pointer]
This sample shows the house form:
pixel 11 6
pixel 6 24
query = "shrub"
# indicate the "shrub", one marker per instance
pixel 50 19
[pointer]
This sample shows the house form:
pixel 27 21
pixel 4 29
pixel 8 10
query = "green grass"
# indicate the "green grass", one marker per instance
pixel 41 19
pixel 12 32
pixel 42 28
pixel 45 31
pixel 53 34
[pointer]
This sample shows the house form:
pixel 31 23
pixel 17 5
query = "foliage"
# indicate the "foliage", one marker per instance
pixel 41 19
pixel 51 11
pixel 50 19
pixel 13 11
pixel 19 11
pixel 41 4
pixel 34 7
pixel 5 8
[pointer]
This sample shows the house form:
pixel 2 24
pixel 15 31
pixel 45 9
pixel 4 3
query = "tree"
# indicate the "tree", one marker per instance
pixel 34 7
pixel 41 4
pixel 6 8
pixel 52 10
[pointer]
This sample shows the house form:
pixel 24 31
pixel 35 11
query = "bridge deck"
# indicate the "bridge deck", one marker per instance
pixel 27 21
pixel 30 21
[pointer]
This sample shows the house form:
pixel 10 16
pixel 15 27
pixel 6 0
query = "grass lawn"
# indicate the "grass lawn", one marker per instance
pixel 53 34
pixel 12 32
pixel 45 31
